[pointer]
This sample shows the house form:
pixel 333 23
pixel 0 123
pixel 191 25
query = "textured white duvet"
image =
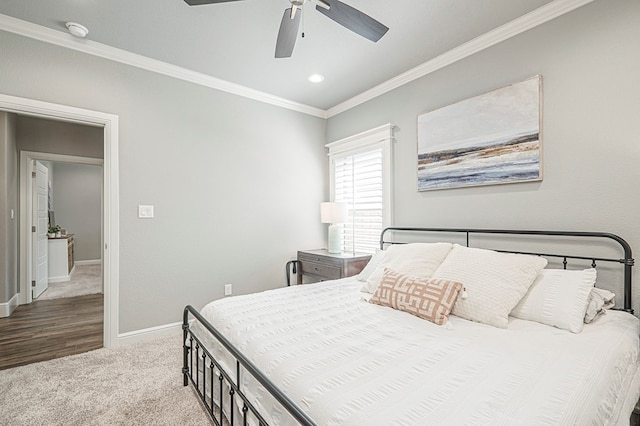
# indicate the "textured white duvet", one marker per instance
pixel 348 362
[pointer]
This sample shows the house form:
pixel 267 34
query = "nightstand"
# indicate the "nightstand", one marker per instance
pixel 323 265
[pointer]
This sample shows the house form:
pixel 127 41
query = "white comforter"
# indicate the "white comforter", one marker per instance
pixel 348 362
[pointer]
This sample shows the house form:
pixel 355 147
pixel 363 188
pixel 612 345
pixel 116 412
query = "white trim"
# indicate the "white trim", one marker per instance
pixel 48 35
pixel 7 308
pixel 26 167
pixel 63 158
pixel 368 137
pixel 381 136
pixel 111 207
pixel 88 262
pixel 519 25
pixel 513 28
pixel 146 334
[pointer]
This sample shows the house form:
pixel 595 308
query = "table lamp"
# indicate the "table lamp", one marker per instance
pixel 334 214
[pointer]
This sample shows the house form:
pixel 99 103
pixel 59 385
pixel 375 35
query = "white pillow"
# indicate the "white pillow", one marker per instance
pixel 599 301
pixel 371 266
pixel 415 259
pixel 494 282
pixel 559 298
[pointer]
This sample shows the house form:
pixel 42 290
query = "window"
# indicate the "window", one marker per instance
pixel 360 173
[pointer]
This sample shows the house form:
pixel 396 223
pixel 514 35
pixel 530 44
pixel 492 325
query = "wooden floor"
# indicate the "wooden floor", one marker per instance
pixel 48 329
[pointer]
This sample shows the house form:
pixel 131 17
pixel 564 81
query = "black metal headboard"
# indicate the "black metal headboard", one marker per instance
pixel 627 261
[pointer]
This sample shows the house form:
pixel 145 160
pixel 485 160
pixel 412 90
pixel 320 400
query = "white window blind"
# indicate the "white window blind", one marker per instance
pixel 360 178
pixel 358 183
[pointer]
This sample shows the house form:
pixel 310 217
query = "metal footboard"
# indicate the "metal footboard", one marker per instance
pixel 205 372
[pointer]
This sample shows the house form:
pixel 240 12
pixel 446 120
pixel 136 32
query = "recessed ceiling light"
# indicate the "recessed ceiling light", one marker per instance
pixel 77 30
pixel 316 78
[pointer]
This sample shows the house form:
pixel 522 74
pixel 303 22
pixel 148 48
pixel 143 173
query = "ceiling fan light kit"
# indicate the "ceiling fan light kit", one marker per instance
pixel 345 15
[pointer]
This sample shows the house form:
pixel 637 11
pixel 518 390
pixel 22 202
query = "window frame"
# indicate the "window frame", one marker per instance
pixel 378 138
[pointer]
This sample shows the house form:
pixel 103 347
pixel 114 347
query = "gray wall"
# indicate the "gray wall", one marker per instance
pixel 8 202
pixel 236 184
pixel 590 62
pixel 76 199
pixel 80 196
pixel 59 137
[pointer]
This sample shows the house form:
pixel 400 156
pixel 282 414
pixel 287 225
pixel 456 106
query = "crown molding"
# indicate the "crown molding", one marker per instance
pixel 59 38
pixel 519 25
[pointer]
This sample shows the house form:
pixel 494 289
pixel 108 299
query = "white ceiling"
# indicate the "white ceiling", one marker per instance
pixel 235 41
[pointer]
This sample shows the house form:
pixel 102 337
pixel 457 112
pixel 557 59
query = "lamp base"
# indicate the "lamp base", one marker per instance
pixel 334 245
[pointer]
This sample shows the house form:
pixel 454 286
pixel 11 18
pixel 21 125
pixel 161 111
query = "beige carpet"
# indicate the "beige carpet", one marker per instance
pixel 134 385
pixel 86 279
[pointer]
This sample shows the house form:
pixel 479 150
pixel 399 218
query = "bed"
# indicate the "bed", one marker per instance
pixel 324 354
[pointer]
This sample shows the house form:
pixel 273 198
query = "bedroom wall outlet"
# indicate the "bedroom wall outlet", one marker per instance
pixel 227 290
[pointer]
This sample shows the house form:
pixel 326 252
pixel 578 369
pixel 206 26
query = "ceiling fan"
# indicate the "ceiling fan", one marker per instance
pixel 343 14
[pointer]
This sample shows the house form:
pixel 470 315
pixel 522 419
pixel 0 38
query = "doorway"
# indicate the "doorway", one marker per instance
pixel 70 198
pixel 110 208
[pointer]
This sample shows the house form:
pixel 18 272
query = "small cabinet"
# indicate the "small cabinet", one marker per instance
pixel 323 265
pixel 60 258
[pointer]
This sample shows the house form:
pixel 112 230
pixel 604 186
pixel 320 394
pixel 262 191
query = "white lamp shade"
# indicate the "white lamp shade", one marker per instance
pixel 333 212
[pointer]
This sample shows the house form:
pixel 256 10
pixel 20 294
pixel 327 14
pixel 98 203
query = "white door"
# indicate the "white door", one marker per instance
pixel 40 223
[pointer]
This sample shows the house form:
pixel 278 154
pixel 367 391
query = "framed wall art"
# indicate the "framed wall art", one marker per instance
pixel 489 139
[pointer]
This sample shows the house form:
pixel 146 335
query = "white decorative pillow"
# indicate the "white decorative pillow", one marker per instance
pixel 415 259
pixel 494 282
pixel 371 266
pixel 599 301
pixel 559 298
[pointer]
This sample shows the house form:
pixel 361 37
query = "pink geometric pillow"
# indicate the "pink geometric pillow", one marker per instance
pixel 426 298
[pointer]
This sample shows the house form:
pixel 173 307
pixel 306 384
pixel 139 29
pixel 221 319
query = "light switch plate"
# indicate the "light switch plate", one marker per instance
pixel 145 211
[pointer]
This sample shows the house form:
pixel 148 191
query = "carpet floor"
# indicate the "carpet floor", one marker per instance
pixel 86 279
pixel 139 384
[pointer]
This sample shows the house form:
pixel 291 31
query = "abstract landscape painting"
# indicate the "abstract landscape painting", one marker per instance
pixel 489 139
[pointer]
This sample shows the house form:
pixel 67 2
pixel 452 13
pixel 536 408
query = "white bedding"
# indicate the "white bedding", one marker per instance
pixel 348 362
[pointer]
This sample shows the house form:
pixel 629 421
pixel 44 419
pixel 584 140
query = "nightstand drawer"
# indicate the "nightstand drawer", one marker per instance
pixel 319 269
pixel 321 264
pixel 319 258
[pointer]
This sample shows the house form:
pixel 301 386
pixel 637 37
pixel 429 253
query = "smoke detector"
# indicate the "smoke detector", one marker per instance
pixel 77 30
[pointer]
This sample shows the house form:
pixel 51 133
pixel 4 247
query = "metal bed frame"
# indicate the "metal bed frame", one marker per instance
pixel 203 370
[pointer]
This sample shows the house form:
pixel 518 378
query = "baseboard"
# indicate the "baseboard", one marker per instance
pixel 60 279
pixel 88 262
pixel 132 337
pixel 7 308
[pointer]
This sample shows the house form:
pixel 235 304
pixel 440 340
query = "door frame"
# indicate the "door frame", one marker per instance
pixel 110 205
pixel 26 210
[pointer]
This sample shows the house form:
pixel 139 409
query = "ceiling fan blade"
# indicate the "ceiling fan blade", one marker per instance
pixel 288 34
pixel 321 3
pixel 354 20
pixel 199 2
